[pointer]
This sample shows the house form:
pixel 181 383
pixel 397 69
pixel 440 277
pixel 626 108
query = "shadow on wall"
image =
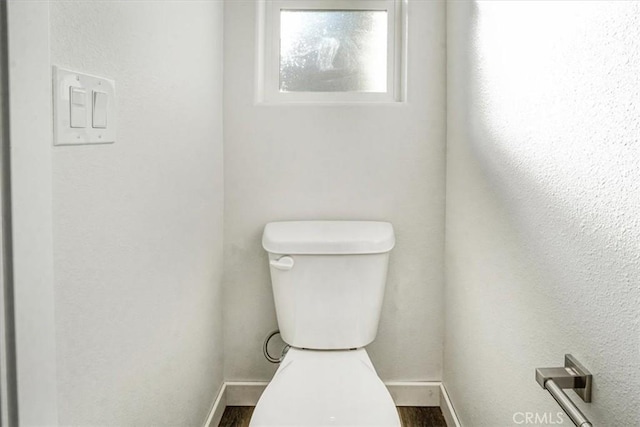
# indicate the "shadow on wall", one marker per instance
pixel 552 141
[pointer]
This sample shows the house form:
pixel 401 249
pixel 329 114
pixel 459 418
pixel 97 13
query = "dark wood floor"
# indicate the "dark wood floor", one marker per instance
pixel 411 416
pixel 421 416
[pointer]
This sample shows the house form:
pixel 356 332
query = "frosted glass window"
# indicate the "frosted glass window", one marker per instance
pixel 333 51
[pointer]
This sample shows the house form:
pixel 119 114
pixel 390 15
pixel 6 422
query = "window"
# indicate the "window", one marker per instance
pixel 329 51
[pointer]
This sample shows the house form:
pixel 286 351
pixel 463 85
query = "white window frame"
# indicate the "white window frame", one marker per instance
pixel 268 55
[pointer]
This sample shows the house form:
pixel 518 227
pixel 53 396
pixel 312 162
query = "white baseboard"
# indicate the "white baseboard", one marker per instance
pixel 403 393
pixel 217 409
pixel 446 407
pixel 414 393
pixel 244 393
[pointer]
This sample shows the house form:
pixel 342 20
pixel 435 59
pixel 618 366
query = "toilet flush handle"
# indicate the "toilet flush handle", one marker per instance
pixel 285 263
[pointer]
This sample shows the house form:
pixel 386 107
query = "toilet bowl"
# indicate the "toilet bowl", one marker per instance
pixel 328 280
pixel 325 388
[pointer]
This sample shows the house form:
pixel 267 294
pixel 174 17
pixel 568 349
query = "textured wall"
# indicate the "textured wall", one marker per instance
pixel 376 162
pixel 543 205
pixel 138 224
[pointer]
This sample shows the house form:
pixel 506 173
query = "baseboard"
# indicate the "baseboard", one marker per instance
pixel 414 393
pixel 419 393
pixel 403 393
pixel 446 406
pixel 217 409
pixel 244 393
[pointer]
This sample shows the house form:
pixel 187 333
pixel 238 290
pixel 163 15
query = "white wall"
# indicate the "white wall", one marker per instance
pixel 375 162
pixel 31 223
pixel 543 203
pixel 138 224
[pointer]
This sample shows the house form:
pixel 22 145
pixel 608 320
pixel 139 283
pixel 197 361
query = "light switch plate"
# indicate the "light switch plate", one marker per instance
pixel 64 134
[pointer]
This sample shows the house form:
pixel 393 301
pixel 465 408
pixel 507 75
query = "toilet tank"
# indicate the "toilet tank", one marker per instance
pixel 328 280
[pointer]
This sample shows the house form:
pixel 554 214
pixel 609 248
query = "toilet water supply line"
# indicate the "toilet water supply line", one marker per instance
pixel 265 348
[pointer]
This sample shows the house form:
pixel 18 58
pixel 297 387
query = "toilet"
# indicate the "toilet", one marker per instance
pixel 328 281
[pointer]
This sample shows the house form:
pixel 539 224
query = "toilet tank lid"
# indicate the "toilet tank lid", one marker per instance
pixel 328 237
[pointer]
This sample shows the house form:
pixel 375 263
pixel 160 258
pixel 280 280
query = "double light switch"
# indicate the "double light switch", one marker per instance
pixel 78 104
pixel 100 102
pixel 84 108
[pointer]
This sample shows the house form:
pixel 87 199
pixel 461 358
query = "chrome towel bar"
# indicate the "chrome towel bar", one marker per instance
pixel 573 375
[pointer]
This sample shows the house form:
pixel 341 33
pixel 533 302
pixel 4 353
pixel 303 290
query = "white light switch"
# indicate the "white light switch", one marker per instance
pixel 78 107
pixel 100 102
pixel 84 108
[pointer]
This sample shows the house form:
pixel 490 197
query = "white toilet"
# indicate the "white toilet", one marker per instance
pixel 328 282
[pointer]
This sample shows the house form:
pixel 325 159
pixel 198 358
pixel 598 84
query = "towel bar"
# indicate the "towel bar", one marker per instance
pixel 573 375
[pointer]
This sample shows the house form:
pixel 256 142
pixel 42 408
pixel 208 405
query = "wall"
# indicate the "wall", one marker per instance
pixel 7 344
pixel 543 196
pixel 138 224
pixel 31 269
pixel 370 162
